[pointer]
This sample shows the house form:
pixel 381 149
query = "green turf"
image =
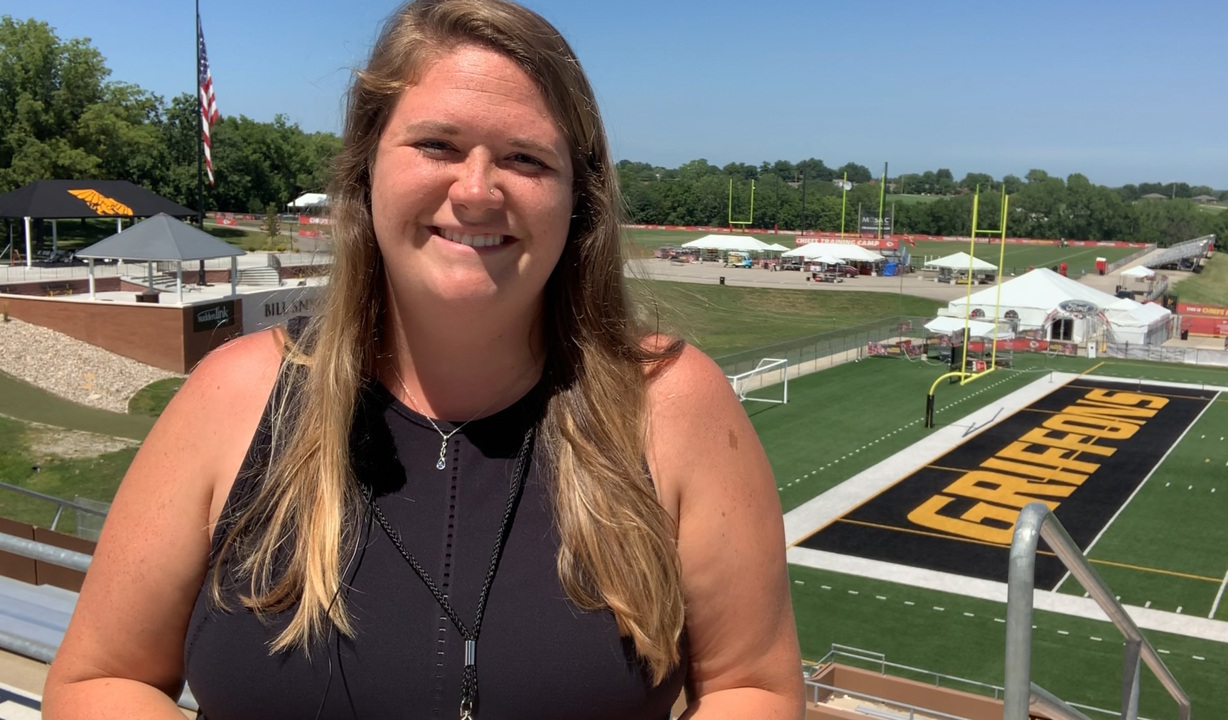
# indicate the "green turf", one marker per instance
pixel 1066 659
pixel 152 399
pixel 1209 287
pixel 722 320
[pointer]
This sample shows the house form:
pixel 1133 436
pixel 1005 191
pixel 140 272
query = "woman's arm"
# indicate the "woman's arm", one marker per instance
pixel 712 473
pixel 122 655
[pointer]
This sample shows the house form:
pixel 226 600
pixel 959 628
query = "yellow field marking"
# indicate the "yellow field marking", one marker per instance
pixel 1090 369
pixel 1140 568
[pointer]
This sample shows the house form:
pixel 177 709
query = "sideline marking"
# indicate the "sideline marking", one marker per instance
pixel 1126 504
pixel 930 533
pixel 1141 568
pixel 1218 596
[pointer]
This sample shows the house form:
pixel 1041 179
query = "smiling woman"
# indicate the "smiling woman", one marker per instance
pixel 473 456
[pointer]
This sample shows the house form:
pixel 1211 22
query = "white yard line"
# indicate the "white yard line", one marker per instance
pixel 1218 596
pixel 1087 551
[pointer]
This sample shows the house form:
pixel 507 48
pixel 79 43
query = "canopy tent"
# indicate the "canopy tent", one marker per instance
pixel 735 243
pixel 1138 323
pixel 162 238
pixel 827 260
pixel 1040 298
pixel 959 261
pixel 310 200
pixel 844 251
pixel 945 325
pixel 61 199
pixel 1139 271
pixel 776 247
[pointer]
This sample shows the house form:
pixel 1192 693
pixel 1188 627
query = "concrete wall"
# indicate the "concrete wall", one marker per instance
pixel 158 335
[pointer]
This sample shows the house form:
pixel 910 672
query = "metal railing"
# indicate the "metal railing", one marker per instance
pixel 60 503
pixel 61 557
pixel 880 660
pixel 1037 521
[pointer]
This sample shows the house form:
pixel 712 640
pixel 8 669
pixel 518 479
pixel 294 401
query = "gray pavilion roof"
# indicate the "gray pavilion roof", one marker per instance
pixel 161 238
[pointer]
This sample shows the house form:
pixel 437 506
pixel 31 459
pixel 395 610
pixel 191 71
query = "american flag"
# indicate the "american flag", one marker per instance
pixel 208 103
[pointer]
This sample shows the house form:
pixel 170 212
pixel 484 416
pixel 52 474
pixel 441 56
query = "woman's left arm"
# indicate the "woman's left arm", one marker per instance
pixel 713 476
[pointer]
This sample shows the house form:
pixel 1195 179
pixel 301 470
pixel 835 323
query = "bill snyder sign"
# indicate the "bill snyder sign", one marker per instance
pixel 274 307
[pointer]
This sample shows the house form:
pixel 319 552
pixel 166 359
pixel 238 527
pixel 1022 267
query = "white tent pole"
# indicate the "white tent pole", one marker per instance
pixel 29 259
pixel 149 267
pixel 119 225
pixel 55 235
pixel 91 264
pixel 179 280
pixel 234 275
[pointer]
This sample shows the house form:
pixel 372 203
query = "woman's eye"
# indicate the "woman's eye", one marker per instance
pixel 523 159
pixel 432 147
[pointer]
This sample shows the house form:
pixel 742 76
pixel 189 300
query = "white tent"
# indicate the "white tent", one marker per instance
pixel 735 243
pixel 1139 271
pixel 310 200
pixel 776 247
pixel 959 261
pixel 845 251
pixel 1137 323
pixel 976 328
pixel 1064 308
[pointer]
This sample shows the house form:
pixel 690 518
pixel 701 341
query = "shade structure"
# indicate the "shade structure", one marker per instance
pixel 846 252
pixel 736 243
pixel 959 261
pixel 827 260
pixel 162 238
pixel 776 247
pixel 1139 271
pixel 59 199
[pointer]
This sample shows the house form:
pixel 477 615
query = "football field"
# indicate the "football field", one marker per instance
pixel 899 534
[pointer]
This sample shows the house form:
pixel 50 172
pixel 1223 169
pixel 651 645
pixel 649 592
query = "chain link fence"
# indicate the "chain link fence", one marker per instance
pixel 818 352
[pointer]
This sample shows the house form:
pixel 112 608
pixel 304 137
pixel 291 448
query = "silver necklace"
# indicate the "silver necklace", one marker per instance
pixel 444 437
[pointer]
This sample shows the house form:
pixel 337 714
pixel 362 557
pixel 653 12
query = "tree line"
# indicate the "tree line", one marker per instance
pixel 62 116
pixel 811 196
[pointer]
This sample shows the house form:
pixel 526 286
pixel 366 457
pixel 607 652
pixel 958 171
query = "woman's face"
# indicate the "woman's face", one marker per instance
pixel 471 190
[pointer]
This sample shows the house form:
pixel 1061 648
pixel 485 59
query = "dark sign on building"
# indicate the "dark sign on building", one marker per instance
pixel 869 225
pixel 213 316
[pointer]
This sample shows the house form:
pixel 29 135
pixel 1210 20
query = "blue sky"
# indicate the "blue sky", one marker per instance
pixel 1120 90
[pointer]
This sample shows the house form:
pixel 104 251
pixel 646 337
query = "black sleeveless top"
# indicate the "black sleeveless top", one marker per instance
pixel 538 657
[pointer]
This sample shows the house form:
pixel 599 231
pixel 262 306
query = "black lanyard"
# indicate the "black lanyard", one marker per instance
pixel 469 679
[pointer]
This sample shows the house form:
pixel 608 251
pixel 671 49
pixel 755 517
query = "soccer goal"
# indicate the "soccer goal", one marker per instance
pixel 769 382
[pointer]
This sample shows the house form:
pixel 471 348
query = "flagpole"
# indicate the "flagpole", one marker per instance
pixel 200 131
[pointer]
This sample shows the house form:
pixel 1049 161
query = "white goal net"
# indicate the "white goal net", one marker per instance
pixel 768 382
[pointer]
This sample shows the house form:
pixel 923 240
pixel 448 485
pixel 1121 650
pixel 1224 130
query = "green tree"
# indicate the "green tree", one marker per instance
pixel 271 225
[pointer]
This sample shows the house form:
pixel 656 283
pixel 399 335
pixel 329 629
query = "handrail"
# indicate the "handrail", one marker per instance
pixel 883 664
pixel 61 503
pixel 813 696
pixel 1037 521
pixel 64 558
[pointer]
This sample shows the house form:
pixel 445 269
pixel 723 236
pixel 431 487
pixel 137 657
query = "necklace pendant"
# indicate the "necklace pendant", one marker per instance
pixel 443 449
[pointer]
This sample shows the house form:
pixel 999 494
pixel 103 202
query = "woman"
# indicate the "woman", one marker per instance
pixel 594 525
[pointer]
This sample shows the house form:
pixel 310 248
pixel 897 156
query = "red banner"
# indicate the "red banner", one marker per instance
pixel 314 220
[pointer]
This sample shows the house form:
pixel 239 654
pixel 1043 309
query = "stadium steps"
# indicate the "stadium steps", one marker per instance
pixel 263 275
pixel 38 613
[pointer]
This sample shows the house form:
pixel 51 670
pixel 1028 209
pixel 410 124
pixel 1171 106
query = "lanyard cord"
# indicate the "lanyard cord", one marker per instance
pixel 469 678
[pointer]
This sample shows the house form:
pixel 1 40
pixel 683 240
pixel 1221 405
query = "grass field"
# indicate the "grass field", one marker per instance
pixel 1018 257
pixel 1209 287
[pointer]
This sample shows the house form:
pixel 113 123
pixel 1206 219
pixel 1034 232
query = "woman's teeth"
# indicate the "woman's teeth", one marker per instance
pixel 471 240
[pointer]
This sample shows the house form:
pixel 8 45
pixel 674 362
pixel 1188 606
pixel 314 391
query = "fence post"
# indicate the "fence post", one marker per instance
pixel 1129 681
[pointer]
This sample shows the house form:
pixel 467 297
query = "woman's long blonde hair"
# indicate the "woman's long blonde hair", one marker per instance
pixel 617 542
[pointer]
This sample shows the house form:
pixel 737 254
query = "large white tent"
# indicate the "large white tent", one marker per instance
pixel 845 251
pixel 1065 309
pixel 310 200
pixel 1141 272
pixel 734 243
pixel 959 261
